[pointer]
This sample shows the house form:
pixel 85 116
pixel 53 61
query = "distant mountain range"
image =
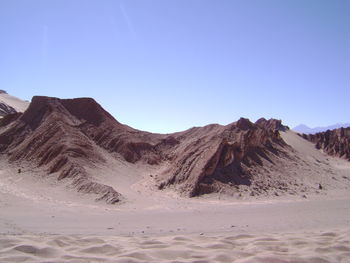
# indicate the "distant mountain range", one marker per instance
pixel 302 128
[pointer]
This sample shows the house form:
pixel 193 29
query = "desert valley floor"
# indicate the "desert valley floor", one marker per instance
pixel 42 221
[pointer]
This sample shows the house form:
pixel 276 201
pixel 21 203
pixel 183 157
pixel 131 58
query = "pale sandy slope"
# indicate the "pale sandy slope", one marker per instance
pixel 42 221
pixel 16 103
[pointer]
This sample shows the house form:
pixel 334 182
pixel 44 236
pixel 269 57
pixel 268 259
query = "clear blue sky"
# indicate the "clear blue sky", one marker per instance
pixel 167 65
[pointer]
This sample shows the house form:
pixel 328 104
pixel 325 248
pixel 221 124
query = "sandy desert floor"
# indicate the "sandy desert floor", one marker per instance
pixel 42 220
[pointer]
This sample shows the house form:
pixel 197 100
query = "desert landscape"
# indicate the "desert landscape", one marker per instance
pixel 153 131
pixel 76 185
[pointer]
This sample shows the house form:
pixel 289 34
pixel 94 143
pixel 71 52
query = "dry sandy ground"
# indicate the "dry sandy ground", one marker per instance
pixel 42 220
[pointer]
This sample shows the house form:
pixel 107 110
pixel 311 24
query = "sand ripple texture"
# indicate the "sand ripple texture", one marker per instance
pixel 321 247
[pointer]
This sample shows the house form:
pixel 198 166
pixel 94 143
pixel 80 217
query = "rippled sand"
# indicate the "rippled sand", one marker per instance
pixel 304 247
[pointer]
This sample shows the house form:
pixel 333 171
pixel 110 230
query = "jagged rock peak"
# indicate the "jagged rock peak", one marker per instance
pixel 271 124
pixel 3 91
pixel 244 124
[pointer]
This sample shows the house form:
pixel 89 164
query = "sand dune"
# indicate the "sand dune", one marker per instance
pixel 320 247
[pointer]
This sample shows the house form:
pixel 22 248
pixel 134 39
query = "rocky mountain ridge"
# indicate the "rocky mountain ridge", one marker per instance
pixel 333 142
pixel 66 138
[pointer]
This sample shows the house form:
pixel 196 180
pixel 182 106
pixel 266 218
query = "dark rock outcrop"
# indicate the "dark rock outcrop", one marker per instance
pixel 210 156
pixel 6 109
pixel 333 142
pixel 48 135
pixel 271 124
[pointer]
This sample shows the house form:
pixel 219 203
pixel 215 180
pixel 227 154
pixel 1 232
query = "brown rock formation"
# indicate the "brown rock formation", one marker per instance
pixel 333 142
pixel 210 156
pixel 48 135
pixel 63 137
pixel 271 124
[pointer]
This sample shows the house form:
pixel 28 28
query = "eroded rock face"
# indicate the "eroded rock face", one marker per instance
pixel 333 142
pixel 271 124
pixel 213 155
pixel 6 109
pixel 64 135
pixel 48 135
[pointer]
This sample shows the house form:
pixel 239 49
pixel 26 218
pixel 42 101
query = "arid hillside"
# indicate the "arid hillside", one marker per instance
pixel 11 104
pixel 71 138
